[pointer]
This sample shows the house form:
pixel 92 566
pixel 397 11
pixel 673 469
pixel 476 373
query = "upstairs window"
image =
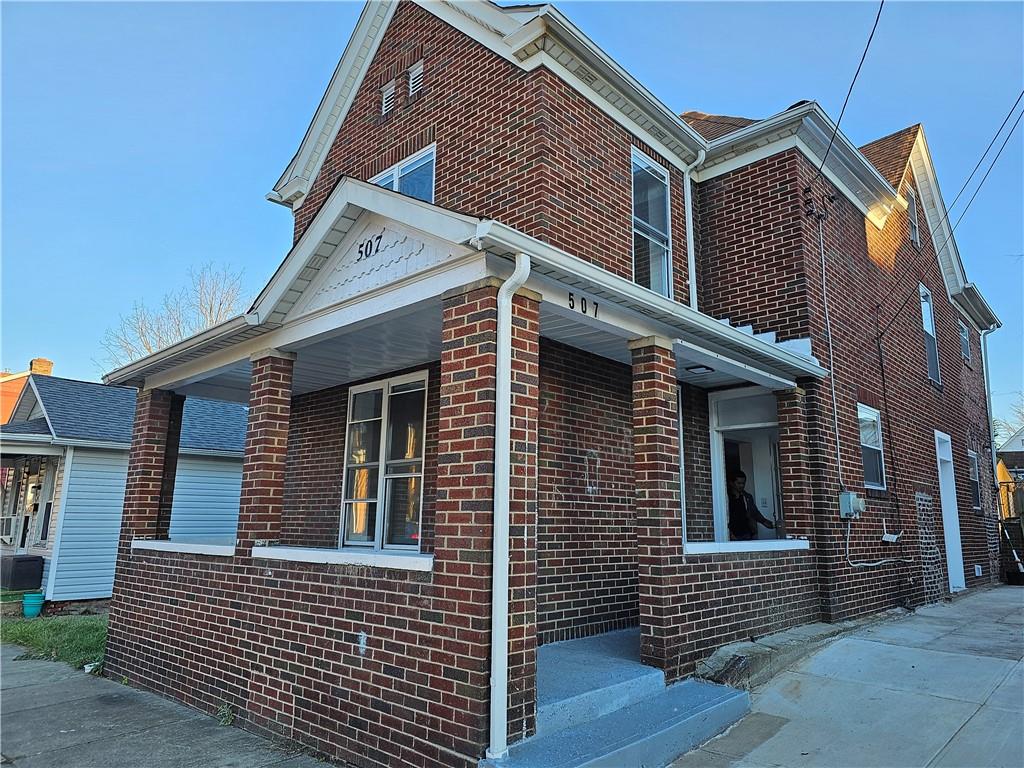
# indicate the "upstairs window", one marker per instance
pixel 915 231
pixel 931 346
pixel 972 461
pixel 870 421
pixel 387 98
pixel 415 78
pixel 965 342
pixel 414 176
pixel 651 257
pixel 383 480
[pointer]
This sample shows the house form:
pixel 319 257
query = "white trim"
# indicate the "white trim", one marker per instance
pixel 51 575
pixel 974 476
pixel 413 159
pixel 757 545
pixel 378 559
pixel 669 271
pixel 877 416
pixel 965 335
pixel 923 291
pixel 189 547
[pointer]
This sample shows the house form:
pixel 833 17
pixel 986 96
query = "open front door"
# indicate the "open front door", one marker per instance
pixel 950 513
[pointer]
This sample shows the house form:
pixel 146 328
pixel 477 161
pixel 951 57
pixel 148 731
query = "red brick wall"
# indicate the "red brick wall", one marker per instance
pixel 586 537
pixel 523 148
pixel 700 516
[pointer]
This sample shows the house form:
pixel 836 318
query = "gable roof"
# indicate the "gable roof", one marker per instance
pixel 713 127
pixel 1014 443
pixel 84 411
pixel 891 154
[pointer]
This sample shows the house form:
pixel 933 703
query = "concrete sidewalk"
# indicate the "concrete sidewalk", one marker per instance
pixel 54 716
pixel 942 687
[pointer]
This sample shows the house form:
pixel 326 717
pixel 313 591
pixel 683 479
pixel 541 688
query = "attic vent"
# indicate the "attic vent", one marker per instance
pixel 586 75
pixel 415 78
pixel 387 98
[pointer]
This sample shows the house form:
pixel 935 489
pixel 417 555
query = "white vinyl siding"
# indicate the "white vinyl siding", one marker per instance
pixel 94 489
pixel 206 495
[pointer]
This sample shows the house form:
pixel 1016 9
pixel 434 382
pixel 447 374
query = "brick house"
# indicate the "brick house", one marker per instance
pixel 533 318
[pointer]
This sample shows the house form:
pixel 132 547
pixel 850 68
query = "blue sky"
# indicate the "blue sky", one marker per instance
pixel 139 139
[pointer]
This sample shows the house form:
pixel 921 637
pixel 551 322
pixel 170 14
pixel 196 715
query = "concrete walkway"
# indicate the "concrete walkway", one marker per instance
pixel 943 687
pixel 54 716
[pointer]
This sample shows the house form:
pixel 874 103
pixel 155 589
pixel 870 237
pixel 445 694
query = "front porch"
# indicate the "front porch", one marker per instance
pixel 353 609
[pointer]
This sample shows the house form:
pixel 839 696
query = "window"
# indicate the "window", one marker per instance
pixel 928 324
pixel 383 485
pixel 972 459
pixel 965 342
pixel 414 176
pixel 651 256
pixel 871 446
pixel 415 78
pixel 915 231
pixel 387 98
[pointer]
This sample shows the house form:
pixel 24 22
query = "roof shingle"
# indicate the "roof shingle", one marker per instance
pixel 713 127
pixel 890 154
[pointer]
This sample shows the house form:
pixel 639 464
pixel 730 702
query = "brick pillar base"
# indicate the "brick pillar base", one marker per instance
pixel 659 531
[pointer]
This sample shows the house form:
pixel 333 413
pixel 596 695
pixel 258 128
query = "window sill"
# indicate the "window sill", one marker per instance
pixel 377 559
pixel 189 547
pixel 767 545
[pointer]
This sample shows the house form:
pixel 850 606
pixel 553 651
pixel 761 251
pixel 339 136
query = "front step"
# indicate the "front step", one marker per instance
pixel 649 733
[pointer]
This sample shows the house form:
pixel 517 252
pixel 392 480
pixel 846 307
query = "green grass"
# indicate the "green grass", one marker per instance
pixel 7 596
pixel 77 640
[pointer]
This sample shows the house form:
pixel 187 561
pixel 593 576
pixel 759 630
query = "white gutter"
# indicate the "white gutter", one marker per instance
pixel 500 522
pixel 988 403
pixel 691 256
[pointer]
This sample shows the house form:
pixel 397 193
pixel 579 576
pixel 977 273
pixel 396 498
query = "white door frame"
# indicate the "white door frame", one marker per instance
pixel 950 512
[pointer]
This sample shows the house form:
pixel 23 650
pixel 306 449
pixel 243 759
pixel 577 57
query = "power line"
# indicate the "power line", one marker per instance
pixel 850 91
pixel 963 213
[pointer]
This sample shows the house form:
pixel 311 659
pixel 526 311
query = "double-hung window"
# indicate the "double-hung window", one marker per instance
pixel 870 421
pixel 972 460
pixel 931 345
pixel 414 176
pixel 965 342
pixel 383 485
pixel 651 251
pixel 915 229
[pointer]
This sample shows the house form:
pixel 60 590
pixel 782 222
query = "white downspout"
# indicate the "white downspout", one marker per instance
pixel 988 404
pixel 502 469
pixel 691 256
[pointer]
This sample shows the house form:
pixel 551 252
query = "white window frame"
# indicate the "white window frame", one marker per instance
pixel 929 334
pixel 378 545
pixel 416 76
pixel 634 155
pixel 974 477
pixel 866 411
pixel 406 165
pixel 965 341
pixel 912 218
pixel 387 98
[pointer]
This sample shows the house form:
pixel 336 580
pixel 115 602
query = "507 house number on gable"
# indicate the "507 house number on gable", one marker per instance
pixel 369 247
pixel 587 307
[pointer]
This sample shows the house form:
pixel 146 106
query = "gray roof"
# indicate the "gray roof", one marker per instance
pixel 31 427
pixel 85 410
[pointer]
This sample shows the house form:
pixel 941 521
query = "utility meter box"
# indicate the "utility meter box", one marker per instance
pixel 850 505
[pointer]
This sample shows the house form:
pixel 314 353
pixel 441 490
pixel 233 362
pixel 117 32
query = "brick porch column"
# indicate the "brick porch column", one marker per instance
pixel 794 463
pixel 659 531
pixel 465 503
pixel 266 445
pixel 152 464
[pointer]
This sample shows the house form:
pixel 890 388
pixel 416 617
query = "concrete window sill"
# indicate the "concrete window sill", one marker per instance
pixel 218 548
pixel 720 547
pixel 377 559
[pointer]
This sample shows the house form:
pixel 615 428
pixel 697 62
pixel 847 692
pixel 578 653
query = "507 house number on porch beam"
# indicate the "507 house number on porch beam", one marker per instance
pixel 587 307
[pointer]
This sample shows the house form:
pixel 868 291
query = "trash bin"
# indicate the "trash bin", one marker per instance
pixel 21 572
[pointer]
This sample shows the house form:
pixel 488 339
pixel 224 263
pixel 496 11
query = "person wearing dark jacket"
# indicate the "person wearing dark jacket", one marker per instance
pixel 743 512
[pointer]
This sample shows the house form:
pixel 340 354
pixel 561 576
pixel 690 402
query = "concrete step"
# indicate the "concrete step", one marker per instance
pixel 579 680
pixel 650 733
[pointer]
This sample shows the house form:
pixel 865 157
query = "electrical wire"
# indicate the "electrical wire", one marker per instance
pixel 850 90
pixel 871 563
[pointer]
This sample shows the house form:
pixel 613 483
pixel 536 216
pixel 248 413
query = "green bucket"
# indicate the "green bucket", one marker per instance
pixel 32 604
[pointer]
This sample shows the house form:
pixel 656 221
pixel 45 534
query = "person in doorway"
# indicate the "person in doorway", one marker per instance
pixel 743 512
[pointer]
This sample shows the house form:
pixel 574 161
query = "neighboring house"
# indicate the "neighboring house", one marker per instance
pixel 1010 475
pixel 11 384
pixel 65 460
pixel 533 319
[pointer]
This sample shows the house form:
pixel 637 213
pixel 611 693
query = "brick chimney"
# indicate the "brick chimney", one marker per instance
pixel 41 366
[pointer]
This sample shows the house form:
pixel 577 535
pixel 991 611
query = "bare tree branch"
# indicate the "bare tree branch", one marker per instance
pixel 213 295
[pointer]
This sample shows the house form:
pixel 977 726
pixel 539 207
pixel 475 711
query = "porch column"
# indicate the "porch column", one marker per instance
pixel 266 445
pixel 465 503
pixel 794 463
pixel 659 533
pixel 152 464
